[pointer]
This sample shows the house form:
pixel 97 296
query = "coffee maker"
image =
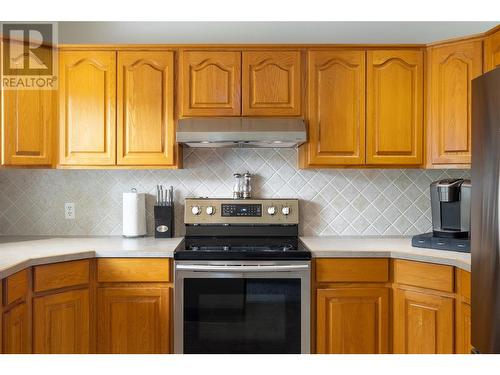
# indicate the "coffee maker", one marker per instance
pixel 450 208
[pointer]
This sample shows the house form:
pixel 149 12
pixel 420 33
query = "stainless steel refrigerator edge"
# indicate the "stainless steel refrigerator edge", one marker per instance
pixel 485 246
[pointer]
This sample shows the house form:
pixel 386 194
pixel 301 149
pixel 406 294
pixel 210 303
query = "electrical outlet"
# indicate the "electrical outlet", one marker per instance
pixel 69 210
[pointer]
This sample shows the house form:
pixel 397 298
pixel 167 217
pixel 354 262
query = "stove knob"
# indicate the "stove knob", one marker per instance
pixel 196 210
pixel 271 210
pixel 285 210
pixel 210 210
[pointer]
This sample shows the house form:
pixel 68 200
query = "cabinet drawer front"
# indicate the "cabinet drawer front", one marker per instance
pixel 352 270
pixel 61 275
pixel 424 275
pixel 133 270
pixel 16 286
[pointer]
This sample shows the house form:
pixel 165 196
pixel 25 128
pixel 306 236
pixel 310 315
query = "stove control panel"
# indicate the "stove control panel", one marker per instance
pixel 241 211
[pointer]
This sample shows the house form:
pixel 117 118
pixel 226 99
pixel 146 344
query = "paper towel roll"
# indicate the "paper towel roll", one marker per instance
pixel 134 214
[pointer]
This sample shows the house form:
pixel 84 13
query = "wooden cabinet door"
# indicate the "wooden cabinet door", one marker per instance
pixel 492 52
pixel 452 67
pixel 463 328
pixel 61 323
pixel 28 121
pixel 394 129
pixel 352 320
pixel 211 83
pixel 336 108
pixel 133 320
pixel 271 83
pixel 87 101
pixel 423 323
pixel 16 330
pixel 145 108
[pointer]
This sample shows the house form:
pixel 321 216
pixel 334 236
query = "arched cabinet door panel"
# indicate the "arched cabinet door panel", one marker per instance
pixel 211 83
pixel 145 112
pixel 394 128
pixel 28 123
pixel 336 114
pixel 87 100
pixel 271 83
pixel 452 68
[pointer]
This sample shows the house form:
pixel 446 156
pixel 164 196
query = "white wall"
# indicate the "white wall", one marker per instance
pixel 265 32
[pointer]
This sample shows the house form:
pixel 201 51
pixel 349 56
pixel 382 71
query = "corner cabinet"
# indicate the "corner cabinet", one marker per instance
pixel 423 313
pixel 145 112
pixel 61 323
pixel 423 323
pixel 87 104
pixel 211 83
pixel 336 82
pixel 394 125
pixel 452 67
pixel 271 83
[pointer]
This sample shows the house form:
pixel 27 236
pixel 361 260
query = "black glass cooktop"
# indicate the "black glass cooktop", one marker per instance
pixel 216 248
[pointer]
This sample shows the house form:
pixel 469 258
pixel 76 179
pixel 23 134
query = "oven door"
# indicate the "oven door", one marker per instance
pixel 242 307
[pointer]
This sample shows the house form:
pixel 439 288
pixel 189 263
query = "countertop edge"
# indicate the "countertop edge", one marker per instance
pixel 316 254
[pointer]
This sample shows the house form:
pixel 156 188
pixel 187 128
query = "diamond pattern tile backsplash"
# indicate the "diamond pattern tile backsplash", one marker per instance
pixel 332 201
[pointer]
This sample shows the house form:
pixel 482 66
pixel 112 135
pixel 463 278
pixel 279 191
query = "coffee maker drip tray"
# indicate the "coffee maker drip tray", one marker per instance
pixel 430 241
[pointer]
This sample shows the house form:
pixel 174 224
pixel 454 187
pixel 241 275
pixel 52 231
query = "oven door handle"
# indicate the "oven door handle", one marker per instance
pixel 243 268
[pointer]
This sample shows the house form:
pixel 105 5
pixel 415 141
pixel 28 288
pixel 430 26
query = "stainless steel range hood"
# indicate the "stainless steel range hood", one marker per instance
pixel 241 132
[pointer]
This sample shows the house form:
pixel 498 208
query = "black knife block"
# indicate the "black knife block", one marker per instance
pixel 164 221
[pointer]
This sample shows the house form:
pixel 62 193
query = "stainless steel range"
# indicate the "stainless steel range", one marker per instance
pixel 242 278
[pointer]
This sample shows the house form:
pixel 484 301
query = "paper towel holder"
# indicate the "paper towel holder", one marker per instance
pixel 134 214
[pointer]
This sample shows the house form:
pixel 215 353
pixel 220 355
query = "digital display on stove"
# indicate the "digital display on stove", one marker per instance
pixel 248 210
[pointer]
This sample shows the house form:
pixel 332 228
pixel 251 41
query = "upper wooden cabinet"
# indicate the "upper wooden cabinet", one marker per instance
pixel 28 122
pixel 145 113
pixel 87 101
pixel 352 321
pixel 394 128
pixel 492 51
pixel 451 69
pixel 271 83
pixel 61 323
pixel 211 83
pixel 336 81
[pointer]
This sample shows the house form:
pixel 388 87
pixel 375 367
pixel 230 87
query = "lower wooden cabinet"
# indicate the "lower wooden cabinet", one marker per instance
pixel 133 320
pixel 352 321
pixel 423 323
pixel 463 329
pixel 17 330
pixel 61 323
pixel 463 342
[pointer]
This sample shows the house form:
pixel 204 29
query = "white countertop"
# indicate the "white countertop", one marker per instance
pixel 382 247
pixel 17 253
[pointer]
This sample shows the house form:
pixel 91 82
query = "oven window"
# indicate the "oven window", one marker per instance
pixel 241 315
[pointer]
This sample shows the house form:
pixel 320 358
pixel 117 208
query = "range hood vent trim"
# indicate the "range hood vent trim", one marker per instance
pixel 241 132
